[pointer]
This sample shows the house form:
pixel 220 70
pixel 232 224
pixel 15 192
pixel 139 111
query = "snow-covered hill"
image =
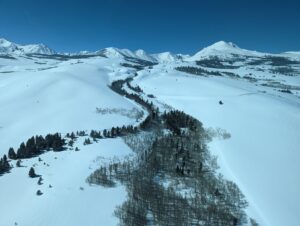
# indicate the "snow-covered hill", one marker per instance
pixel 44 92
pixel 223 49
pixel 262 154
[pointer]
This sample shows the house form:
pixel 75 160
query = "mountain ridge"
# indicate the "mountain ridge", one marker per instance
pixel 220 49
pixel 8 47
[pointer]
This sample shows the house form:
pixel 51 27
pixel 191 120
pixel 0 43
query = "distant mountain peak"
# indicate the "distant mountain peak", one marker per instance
pixel 222 45
pixel 140 52
pixel 223 49
pixel 4 42
pixel 7 47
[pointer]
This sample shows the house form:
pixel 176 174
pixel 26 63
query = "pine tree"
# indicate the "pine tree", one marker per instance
pixel 21 153
pixel 31 173
pixel 12 154
pixel 18 164
pixel 4 165
pixel 105 133
pixel 87 141
pixel 40 181
pixel 72 136
pixel 70 143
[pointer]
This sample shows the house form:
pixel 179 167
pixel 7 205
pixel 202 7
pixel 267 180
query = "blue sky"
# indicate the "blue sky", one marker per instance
pixel 153 25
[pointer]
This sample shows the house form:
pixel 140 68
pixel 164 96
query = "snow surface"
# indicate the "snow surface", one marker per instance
pixel 263 152
pixel 224 49
pixel 41 96
pixel 70 200
pixel 165 57
pixel 61 99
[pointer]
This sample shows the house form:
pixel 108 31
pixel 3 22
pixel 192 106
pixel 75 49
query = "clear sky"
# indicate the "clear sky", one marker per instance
pixel 183 26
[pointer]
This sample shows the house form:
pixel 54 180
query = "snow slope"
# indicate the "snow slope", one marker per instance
pixel 70 200
pixel 41 96
pixel 263 152
pixel 165 57
pixel 60 99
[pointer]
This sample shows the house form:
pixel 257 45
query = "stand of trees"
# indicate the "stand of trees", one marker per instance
pixel 216 62
pixel 197 71
pixel 35 146
pixel 177 121
pixel 182 158
pixel 153 116
pixel 4 165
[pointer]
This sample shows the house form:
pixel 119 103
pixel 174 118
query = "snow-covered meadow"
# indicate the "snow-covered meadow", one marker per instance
pixel 263 152
pixel 62 99
pixel 67 199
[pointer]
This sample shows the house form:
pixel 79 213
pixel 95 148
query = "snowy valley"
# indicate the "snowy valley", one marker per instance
pixel 116 110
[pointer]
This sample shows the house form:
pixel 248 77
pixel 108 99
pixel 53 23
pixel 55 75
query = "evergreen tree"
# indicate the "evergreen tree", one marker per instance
pixel 113 132
pixel 40 181
pixel 21 153
pixel 4 165
pixel 105 133
pixel 72 136
pixel 18 164
pixel 87 141
pixel 12 154
pixel 31 173
pixel 40 143
pixel 70 143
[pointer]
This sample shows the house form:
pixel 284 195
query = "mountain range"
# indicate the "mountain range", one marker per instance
pixel 220 49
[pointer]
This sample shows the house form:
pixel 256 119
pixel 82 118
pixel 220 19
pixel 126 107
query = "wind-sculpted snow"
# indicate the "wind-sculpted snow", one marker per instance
pixel 133 113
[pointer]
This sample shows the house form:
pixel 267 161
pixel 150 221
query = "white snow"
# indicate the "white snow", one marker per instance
pixel 113 52
pixel 60 96
pixel 13 48
pixel 165 57
pixel 61 99
pixel 70 201
pixel 223 49
pixel 141 54
pixel 263 152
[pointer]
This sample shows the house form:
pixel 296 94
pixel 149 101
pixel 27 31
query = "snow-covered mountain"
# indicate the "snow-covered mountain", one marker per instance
pixel 143 55
pixel 223 49
pixel 166 57
pixel 113 52
pixel 7 47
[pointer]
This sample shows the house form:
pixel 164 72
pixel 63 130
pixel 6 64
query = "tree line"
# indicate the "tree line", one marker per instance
pixel 36 145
